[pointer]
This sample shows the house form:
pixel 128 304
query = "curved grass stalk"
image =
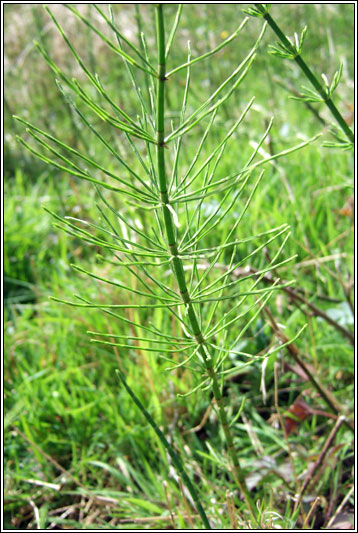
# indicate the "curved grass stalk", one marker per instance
pixel 173 455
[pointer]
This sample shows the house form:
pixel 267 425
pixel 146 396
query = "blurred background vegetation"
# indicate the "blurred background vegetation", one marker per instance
pixel 61 396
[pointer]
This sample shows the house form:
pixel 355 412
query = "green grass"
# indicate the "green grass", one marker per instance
pixel 68 420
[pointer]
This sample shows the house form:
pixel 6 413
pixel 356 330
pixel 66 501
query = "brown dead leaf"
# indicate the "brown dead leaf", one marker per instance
pixel 298 412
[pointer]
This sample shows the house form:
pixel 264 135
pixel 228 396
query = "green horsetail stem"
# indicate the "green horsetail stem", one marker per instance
pixel 177 264
pixel 309 75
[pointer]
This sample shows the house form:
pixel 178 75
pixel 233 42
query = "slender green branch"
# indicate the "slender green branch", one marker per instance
pixel 140 192
pixel 114 48
pixel 211 52
pixel 174 29
pixel 121 36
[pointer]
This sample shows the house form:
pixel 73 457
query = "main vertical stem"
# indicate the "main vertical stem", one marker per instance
pixel 178 265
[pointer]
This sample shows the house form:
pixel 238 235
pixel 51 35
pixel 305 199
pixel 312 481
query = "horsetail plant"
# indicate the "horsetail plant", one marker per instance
pixel 287 49
pixel 203 301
